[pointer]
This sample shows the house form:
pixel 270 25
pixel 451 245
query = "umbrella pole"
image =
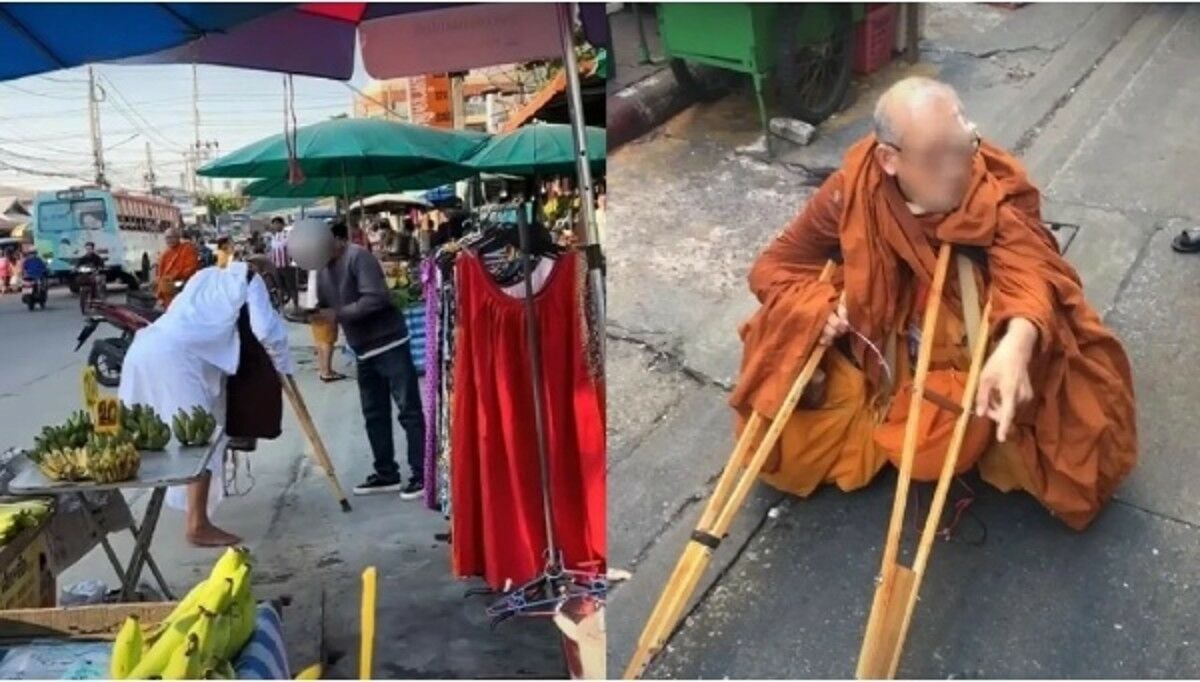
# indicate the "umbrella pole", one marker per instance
pixel 583 168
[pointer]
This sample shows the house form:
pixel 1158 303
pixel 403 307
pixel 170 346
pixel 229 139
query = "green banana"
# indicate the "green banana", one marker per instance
pixel 127 649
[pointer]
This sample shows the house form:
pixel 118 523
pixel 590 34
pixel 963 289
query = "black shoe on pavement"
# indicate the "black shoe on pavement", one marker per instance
pixel 375 485
pixel 414 490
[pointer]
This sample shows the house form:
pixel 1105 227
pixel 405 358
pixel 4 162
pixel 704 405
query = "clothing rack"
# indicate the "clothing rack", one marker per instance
pixel 542 595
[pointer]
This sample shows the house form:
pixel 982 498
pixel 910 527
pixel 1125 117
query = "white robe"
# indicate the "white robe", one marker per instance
pixel 183 359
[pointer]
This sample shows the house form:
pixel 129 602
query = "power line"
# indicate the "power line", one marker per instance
pixel 133 110
pixel 39 94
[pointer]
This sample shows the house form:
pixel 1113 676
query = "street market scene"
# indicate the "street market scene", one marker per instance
pixel 239 245
pixel 791 183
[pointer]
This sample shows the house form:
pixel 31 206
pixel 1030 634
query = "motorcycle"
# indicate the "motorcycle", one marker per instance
pixel 91 285
pixel 108 354
pixel 34 293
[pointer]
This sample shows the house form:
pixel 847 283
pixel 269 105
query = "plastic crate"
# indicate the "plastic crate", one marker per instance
pixel 875 38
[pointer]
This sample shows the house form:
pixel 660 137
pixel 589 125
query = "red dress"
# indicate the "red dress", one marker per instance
pixel 497 521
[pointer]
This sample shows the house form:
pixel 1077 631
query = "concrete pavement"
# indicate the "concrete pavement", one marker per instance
pixel 1100 99
pixel 304 546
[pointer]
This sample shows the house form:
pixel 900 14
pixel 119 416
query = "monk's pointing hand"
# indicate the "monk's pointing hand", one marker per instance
pixel 835 326
pixel 1004 382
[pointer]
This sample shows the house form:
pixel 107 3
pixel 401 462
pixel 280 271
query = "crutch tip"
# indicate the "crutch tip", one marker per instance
pixel 345 505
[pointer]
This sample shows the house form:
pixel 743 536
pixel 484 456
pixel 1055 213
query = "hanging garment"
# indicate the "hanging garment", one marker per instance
pixel 431 382
pixel 497 525
pixel 448 301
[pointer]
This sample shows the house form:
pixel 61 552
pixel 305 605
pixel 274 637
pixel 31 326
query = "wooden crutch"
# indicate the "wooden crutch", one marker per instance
pixel 897 586
pixel 292 391
pixel 727 498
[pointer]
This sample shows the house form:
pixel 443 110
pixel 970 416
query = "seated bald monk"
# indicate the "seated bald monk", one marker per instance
pixel 1054 412
pixel 177 263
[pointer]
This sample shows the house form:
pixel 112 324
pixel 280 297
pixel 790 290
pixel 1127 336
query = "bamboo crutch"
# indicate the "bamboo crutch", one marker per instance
pixel 727 497
pixel 292 391
pixel 897 586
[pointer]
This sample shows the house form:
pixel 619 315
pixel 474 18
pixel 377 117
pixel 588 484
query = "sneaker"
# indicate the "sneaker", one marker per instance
pixel 375 485
pixel 414 490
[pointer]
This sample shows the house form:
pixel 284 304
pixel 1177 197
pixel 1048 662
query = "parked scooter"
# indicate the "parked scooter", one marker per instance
pixel 108 354
pixel 34 292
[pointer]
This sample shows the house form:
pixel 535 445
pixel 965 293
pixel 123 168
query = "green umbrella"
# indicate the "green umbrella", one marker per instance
pixel 356 186
pixel 538 149
pixel 351 147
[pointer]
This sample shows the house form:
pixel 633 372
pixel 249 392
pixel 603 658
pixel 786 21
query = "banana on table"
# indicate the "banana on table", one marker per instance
pixel 75 452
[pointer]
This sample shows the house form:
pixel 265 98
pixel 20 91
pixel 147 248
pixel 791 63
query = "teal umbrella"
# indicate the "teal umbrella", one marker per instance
pixel 538 149
pixel 356 186
pixel 349 147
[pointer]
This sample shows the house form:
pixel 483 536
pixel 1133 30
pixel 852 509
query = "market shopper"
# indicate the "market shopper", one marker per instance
pixel 192 355
pixel 1054 409
pixel 352 291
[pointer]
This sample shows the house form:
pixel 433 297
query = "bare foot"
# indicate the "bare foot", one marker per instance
pixel 211 536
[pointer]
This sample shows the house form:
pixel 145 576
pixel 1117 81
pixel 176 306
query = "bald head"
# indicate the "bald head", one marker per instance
pixel 916 101
pixel 172 236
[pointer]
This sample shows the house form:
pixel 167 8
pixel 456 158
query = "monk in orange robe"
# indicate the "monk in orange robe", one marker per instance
pixel 1054 412
pixel 179 262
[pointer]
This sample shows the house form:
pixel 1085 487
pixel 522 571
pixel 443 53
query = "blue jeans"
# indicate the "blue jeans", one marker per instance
pixel 388 377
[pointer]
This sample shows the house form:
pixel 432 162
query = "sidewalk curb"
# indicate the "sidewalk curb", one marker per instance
pixel 643 106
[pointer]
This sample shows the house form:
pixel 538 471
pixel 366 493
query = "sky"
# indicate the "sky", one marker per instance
pixel 44 122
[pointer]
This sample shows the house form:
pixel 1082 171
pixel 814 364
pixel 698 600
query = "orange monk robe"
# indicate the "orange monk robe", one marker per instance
pixel 1069 447
pixel 177 263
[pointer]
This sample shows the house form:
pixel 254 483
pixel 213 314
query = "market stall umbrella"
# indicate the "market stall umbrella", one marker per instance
pixel 539 149
pixel 356 186
pixel 401 39
pixel 351 147
pixel 40 37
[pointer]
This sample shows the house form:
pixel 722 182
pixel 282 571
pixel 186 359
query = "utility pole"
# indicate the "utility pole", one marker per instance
pixel 150 179
pixel 201 151
pixel 94 125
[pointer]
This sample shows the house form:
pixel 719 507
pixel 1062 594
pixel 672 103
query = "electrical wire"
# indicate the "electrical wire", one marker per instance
pixel 133 111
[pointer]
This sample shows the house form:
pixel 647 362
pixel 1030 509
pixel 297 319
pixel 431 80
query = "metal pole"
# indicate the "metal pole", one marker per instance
pixel 584 170
pixel 534 346
pixel 94 126
pixel 149 169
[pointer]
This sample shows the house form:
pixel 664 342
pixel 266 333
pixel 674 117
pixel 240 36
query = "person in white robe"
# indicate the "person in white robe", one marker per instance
pixel 183 360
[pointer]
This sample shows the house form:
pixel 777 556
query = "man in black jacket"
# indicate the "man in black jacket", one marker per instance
pixel 352 291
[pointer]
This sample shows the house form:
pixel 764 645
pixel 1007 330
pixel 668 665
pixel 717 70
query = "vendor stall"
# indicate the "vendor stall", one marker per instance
pixel 177 465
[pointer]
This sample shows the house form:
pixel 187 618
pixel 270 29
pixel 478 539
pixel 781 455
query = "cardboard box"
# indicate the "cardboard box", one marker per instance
pixel 92 621
pixel 26 580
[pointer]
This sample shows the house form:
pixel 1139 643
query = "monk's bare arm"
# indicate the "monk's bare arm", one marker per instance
pixel 800 252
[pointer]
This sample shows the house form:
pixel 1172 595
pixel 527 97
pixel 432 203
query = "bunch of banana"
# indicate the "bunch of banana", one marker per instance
pixel 144 426
pixel 73 434
pixel 62 464
pixel 112 458
pixel 203 634
pixel 17 516
pixel 195 428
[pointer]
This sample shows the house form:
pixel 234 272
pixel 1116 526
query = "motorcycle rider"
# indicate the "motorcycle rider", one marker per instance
pixel 34 268
pixel 90 258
